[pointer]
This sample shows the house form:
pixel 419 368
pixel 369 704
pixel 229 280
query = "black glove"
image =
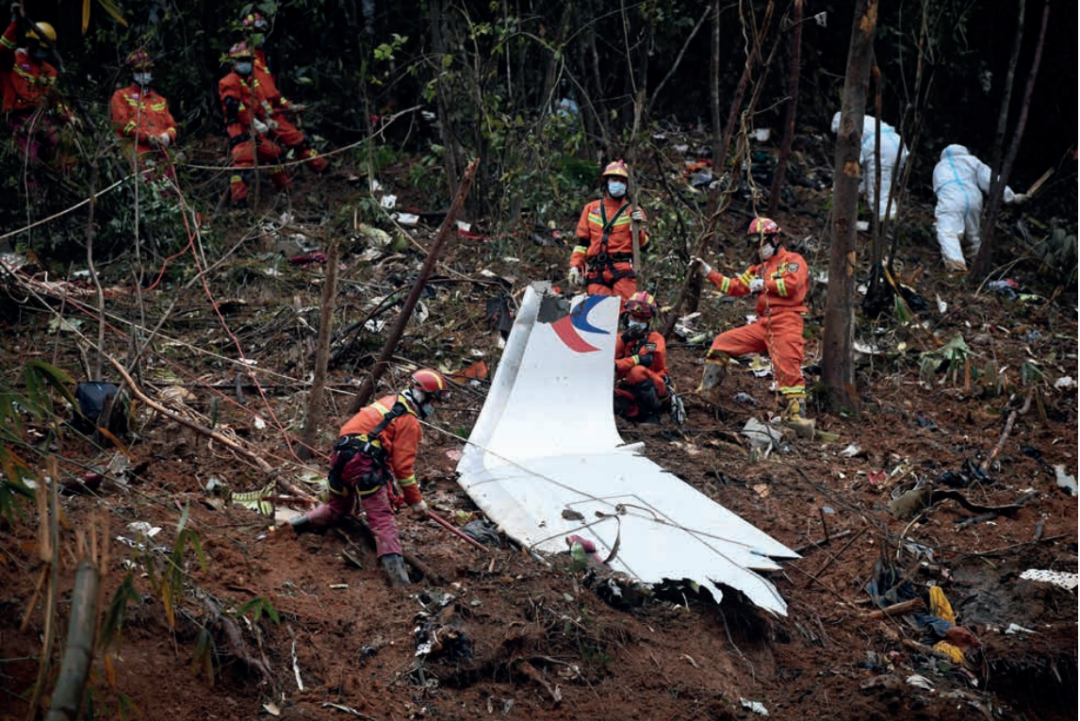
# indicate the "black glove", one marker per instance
pixel 645 359
pixel 627 339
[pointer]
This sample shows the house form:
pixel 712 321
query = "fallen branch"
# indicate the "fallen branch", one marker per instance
pixel 985 465
pixel 228 443
pixel 818 544
pixel 898 609
pixel 532 672
pixel 829 562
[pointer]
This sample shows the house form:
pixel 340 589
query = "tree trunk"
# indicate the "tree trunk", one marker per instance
pixel 839 335
pixel 444 100
pixel 985 260
pixel 322 355
pixel 780 175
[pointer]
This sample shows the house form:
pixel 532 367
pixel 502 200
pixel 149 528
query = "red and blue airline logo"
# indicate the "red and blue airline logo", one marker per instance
pixel 569 328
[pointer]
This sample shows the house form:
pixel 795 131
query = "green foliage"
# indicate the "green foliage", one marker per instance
pixel 257 607
pixel 950 358
pixel 169 584
pixel 113 623
pixel 41 380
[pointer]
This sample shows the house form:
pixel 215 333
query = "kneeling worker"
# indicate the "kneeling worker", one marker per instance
pixel 640 363
pixel 376 446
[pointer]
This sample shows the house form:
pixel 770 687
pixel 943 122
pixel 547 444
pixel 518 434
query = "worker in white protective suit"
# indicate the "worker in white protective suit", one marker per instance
pixel 893 155
pixel 960 179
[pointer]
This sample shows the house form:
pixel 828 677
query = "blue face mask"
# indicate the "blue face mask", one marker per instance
pixel 244 68
pixel 143 79
pixel 616 189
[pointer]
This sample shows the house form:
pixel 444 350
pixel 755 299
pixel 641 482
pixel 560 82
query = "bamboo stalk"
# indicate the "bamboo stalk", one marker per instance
pixel 79 650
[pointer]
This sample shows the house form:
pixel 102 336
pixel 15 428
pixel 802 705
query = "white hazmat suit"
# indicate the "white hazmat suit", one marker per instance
pixel 891 164
pixel 960 179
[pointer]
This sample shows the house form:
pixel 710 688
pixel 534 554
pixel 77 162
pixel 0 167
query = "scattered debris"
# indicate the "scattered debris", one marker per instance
pixel 1065 481
pixel 763 437
pixel 754 706
pixel 920 682
pixel 1058 578
pixel 1015 629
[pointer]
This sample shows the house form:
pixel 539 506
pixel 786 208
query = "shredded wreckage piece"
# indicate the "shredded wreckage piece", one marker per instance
pixel 545 461
pixel 1058 578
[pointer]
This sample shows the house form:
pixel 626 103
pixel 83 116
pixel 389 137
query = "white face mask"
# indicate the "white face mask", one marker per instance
pixel 637 328
pixel 143 79
pixel 766 250
pixel 616 189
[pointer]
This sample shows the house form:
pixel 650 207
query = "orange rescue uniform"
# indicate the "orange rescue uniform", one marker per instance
pixel 401 441
pixel 247 100
pixel 29 86
pixel 630 374
pixel 778 330
pixel 605 250
pixel 286 132
pixel 139 114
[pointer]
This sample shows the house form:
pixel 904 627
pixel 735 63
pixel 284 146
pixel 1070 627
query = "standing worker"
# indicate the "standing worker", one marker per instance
pixel 960 179
pixel 283 131
pixel 780 282
pixel 141 116
pixel 247 123
pixel 640 363
pixel 376 446
pixel 31 103
pixel 893 156
pixel 603 259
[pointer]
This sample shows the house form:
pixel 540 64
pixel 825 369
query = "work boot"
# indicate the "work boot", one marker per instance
pixel 302 524
pixel 711 379
pixel 648 401
pixel 795 417
pixel 394 565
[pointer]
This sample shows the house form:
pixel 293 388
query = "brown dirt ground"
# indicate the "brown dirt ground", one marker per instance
pixel 539 644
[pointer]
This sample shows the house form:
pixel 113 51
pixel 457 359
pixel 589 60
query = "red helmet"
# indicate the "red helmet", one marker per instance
pixel 240 50
pixel 761 227
pixel 616 168
pixel 641 305
pixel 431 382
pixel 139 60
pixel 254 21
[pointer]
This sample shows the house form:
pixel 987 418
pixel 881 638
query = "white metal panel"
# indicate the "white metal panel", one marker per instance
pixel 545 458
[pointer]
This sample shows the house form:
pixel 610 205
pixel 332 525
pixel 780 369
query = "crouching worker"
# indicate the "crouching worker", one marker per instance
pixel 780 282
pixel 377 446
pixel 640 363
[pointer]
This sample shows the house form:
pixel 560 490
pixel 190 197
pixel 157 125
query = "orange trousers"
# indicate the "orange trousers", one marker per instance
pixel 623 287
pixel 780 336
pixel 290 136
pixel 243 156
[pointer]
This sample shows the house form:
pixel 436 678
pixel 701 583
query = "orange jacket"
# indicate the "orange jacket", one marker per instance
pixel 27 82
pixel 786 278
pixel 268 86
pixel 250 98
pixel 627 353
pixel 590 230
pixel 401 440
pixel 138 114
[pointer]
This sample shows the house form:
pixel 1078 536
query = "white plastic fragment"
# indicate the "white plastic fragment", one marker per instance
pixel 388 201
pixel 406 218
pixel 1014 629
pixel 1058 578
pixel 1065 480
pixel 1064 384
pixel 755 706
pixel 920 682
